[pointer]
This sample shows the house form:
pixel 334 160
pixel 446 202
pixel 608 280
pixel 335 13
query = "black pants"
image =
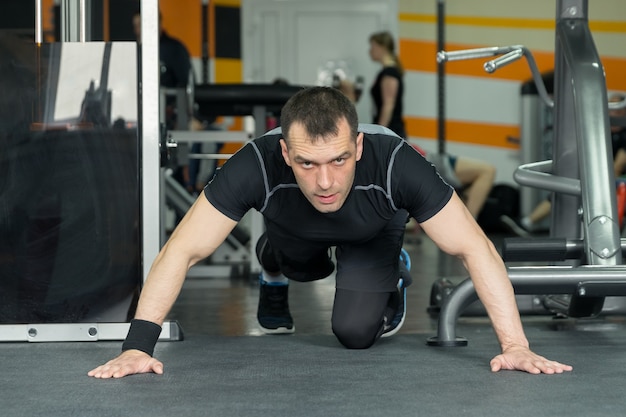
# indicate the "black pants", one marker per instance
pixel 366 279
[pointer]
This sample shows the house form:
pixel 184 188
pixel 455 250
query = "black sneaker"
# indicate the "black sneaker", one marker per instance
pixel 273 312
pixel 399 302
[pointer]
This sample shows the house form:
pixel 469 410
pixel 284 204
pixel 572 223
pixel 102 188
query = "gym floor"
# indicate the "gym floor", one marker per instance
pixel 226 367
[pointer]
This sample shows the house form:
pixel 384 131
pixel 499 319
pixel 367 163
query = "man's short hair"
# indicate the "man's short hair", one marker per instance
pixel 319 109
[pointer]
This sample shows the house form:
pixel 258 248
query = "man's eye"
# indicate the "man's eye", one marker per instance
pixel 340 161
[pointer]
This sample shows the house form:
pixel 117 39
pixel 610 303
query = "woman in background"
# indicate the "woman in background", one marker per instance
pixel 388 88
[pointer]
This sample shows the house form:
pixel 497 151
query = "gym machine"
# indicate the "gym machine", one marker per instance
pixel 79 227
pixel 585 246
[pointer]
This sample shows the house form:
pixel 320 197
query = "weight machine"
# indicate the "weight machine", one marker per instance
pixel 585 244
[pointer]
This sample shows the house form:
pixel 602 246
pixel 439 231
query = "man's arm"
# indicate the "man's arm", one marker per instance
pixel 454 230
pixel 197 236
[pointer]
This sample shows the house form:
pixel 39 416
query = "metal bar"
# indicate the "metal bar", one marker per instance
pixel 82 21
pixel 70 21
pixel 475 53
pixel 541 87
pixel 150 132
pixel 441 78
pixel 503 60
pixel 209 136
pixel 205 42
pixel 525 280
pixel 78 332
pixel 210 155
pixel 38 23
pixel 537 174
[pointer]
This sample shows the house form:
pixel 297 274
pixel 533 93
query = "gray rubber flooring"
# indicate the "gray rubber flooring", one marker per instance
pixel 303 375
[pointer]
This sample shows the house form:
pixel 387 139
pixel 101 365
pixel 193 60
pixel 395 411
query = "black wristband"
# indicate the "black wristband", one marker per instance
pixel 142 336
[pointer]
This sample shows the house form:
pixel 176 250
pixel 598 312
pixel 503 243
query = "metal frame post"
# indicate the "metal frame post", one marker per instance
pixel 150 132
pixel 74 17
pixel 582 150
pixel 441 78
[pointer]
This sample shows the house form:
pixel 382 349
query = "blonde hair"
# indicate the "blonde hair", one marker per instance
pixel 385 39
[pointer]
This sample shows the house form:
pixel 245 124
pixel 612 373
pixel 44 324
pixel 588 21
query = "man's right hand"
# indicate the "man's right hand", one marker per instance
pixel 128 363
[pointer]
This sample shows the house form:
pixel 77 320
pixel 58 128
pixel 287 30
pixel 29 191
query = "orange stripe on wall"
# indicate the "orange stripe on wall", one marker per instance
pixel 519 23
pixel 465 132
pixel 510 23
pixel 421 56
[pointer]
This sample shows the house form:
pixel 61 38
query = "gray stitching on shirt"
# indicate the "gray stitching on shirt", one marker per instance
pixel 278 187
pixel 263 174
pixel 389 169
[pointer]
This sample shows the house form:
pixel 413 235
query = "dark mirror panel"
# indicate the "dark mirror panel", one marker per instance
pixel 70 242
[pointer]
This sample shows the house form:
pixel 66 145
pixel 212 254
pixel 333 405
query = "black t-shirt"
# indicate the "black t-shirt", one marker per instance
pixel 396 123
pixel 391 175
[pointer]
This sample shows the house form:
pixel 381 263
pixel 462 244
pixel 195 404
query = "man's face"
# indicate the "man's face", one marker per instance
pixel 324 168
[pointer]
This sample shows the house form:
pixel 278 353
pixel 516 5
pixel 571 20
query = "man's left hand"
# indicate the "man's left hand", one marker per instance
pixel 521 358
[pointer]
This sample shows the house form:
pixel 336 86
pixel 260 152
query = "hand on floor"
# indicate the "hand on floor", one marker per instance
pixel 128 363
pixel 523 359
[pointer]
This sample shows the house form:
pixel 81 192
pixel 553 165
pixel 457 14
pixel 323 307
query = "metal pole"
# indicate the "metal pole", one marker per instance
pixel 441 82
pixel 75 20
pixel 38 23
pixel 150 132
pixel 82 21
pixel 205 42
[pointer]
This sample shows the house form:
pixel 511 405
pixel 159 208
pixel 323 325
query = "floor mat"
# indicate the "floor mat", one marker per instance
pixel 314 376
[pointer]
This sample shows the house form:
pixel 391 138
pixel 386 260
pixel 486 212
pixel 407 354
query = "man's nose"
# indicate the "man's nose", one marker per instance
pixel 324 177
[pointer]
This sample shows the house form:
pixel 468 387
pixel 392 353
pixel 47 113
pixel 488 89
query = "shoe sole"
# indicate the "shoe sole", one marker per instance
pixel 279 330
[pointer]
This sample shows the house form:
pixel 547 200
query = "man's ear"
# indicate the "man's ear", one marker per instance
pixel 359 146
pixel 285 151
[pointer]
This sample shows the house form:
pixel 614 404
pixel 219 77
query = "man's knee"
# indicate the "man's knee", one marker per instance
pixel 356 336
